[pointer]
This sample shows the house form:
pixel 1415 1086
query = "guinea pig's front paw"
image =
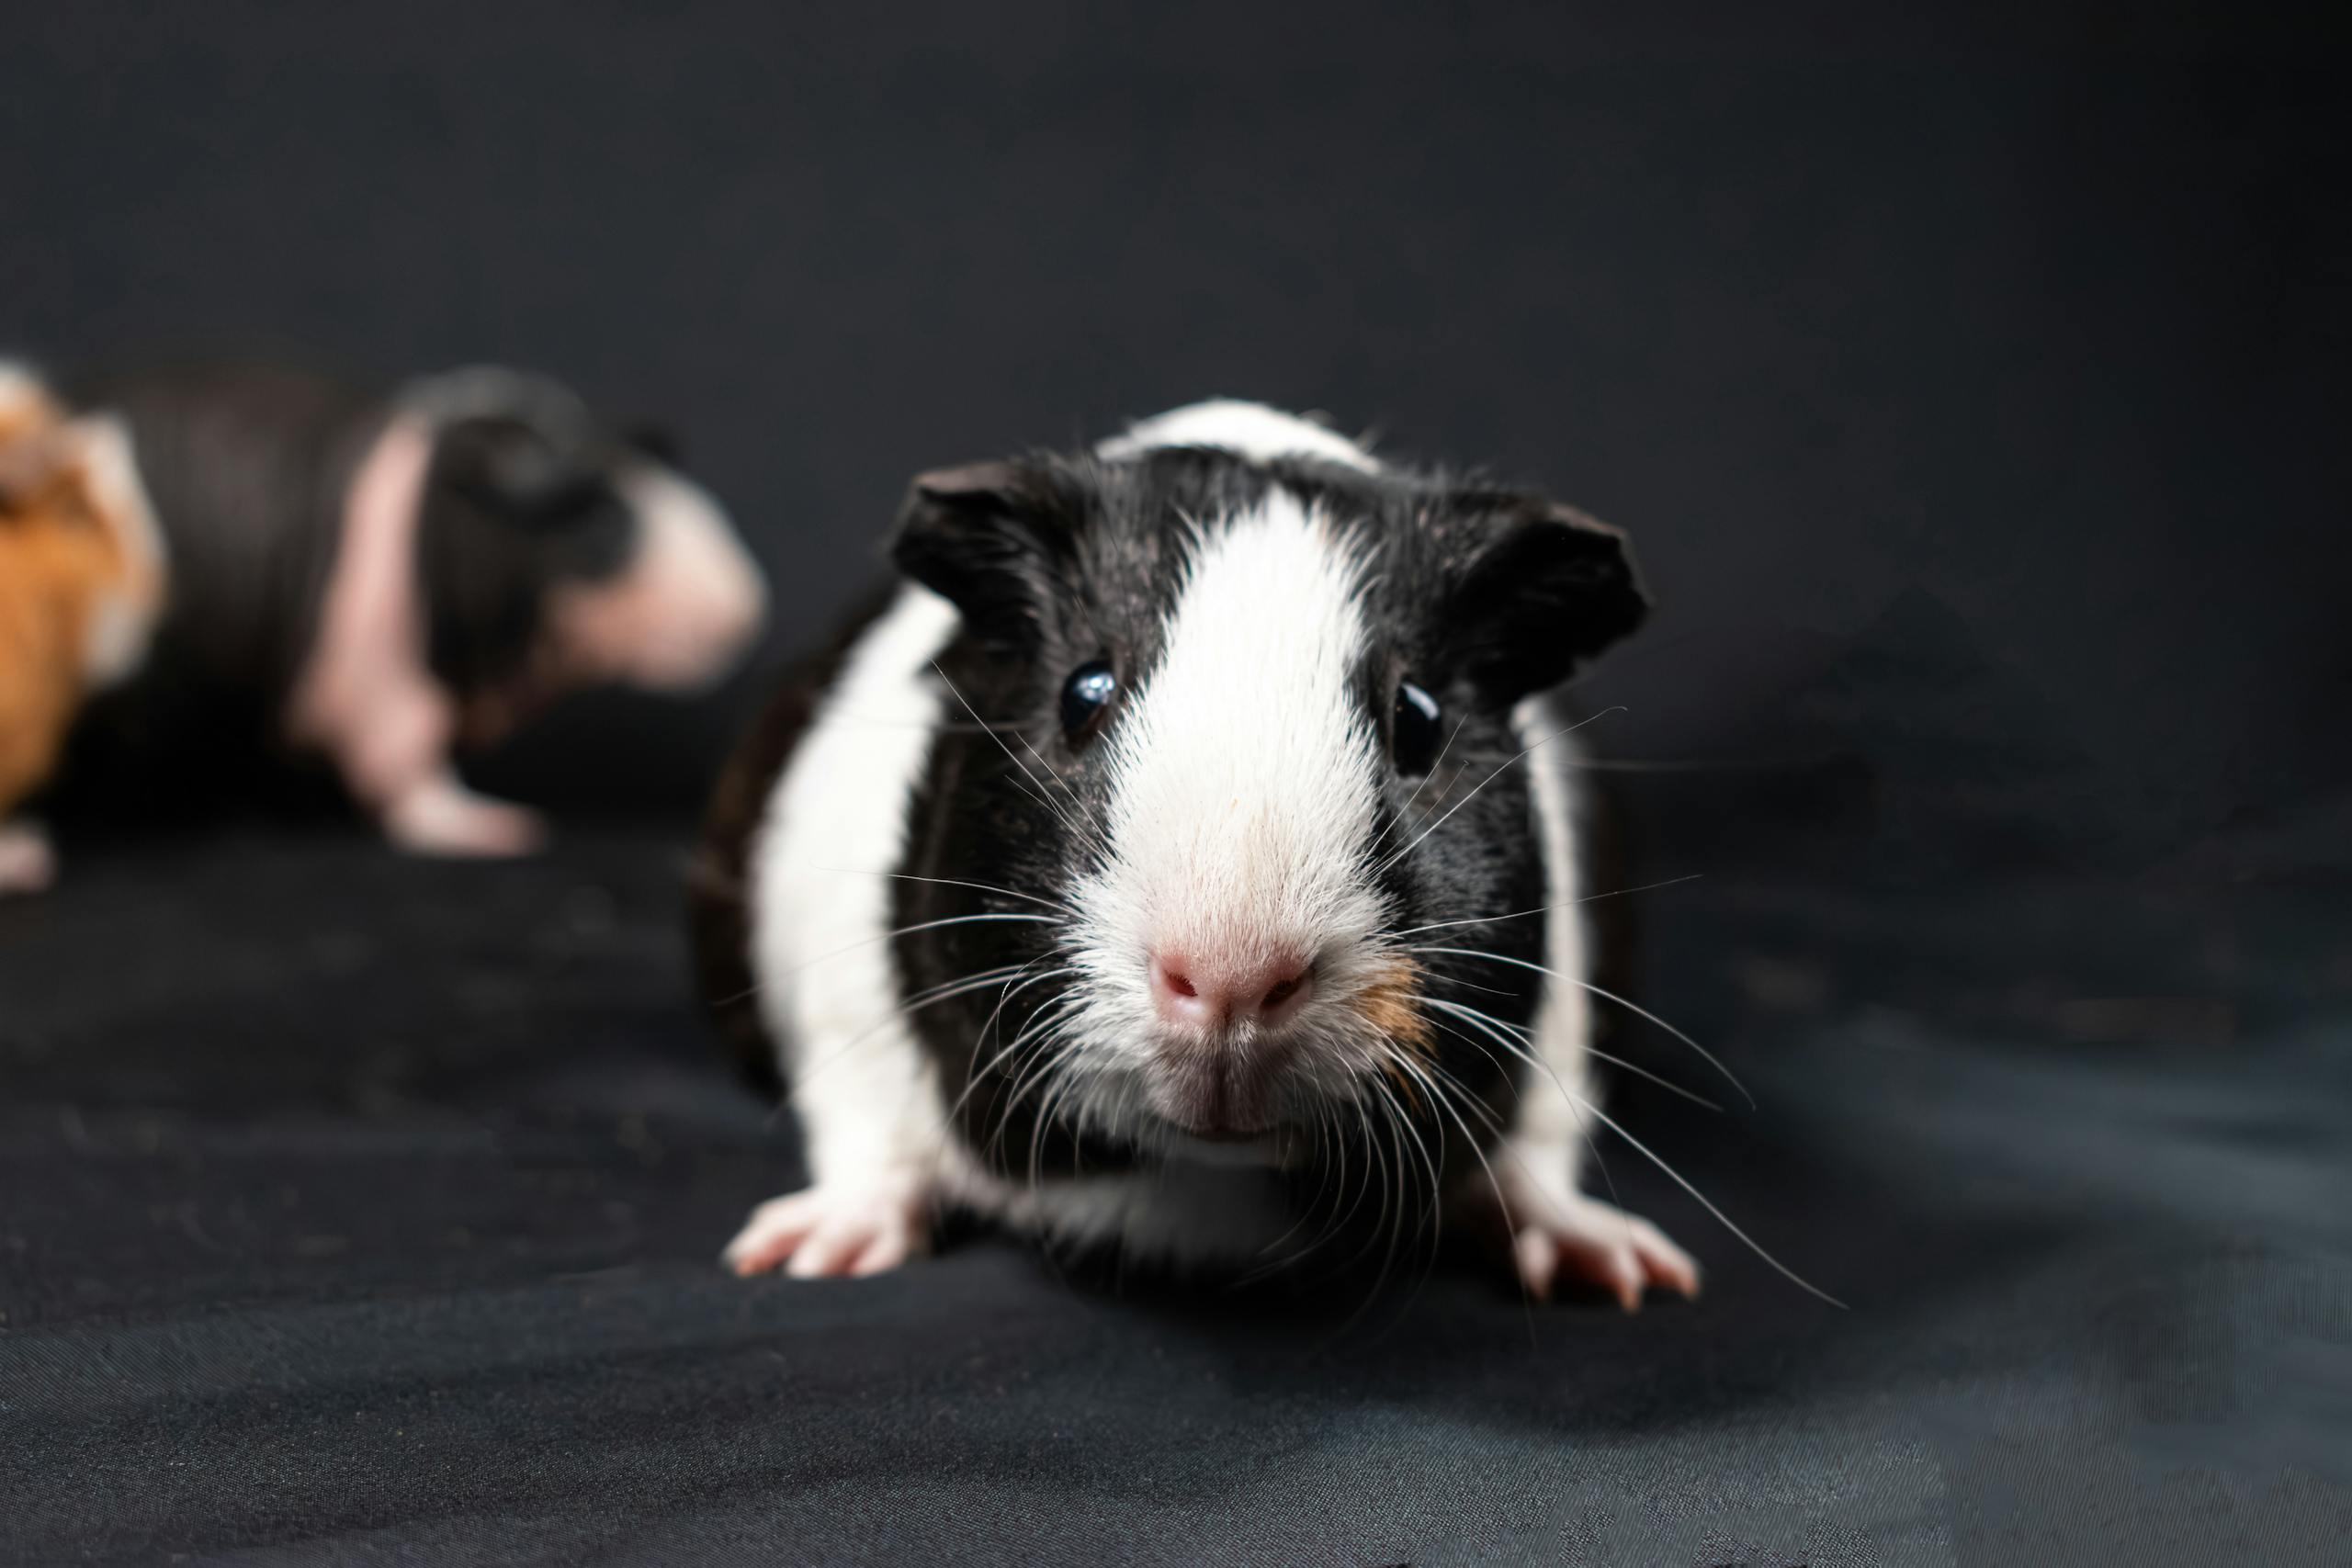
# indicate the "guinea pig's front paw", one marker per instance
pixel 1585 1241
pixel 823 1232
pixel 443 818
pixel 27 862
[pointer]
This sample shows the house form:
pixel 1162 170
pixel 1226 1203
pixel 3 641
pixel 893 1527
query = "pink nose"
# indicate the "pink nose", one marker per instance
pixel 1209 995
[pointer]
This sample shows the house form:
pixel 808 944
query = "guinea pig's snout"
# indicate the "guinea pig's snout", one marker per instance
pixel 1214 993
pixel 1223 1050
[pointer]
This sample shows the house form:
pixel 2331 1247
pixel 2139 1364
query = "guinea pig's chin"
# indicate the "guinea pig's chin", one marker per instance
pixel 1214 1093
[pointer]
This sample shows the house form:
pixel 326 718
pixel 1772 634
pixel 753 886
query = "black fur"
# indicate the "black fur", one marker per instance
pixel 247 467
pixel 1480 595
pixel 514 504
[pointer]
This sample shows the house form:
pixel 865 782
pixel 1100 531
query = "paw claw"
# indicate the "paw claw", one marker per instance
pixel 1592 1243
pixel 825 1233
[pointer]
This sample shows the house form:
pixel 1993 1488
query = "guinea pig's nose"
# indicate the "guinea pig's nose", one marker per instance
pixel 1213 993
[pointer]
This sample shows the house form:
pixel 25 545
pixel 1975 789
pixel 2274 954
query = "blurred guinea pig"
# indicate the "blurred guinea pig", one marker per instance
pixel 378 580
pixel 81 583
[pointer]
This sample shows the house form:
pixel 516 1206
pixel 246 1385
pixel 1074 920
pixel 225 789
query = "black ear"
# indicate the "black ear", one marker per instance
pixel 1547 590
pixel 653 439
pixel 991 538
pixel 526 474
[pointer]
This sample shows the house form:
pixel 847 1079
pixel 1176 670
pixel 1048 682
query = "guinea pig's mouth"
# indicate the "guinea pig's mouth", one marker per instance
pixel 1213 1092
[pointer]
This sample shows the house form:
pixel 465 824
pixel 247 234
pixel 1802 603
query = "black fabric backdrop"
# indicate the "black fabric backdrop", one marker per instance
pixel 1967 381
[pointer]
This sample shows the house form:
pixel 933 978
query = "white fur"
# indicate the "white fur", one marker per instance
pixel 835 829
pixel 690 599
pixel 125 621
pixel 1547 1132
pixel 1249 429
pixel 1244 780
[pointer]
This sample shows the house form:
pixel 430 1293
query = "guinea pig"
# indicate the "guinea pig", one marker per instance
pixel 376 578
pixel 81 585
pixel 1184 860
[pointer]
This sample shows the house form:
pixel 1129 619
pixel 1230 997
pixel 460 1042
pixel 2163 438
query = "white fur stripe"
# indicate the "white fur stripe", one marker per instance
pixel 1244 776
pixel 1547 1133
pixel 820 899
pixel 1251 431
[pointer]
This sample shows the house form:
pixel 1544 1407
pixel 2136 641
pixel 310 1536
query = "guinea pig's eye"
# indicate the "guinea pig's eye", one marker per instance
pixel 1413 731
pixel 1088 691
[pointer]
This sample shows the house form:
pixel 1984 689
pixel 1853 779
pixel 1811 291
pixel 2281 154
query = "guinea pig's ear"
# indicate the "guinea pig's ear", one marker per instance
pixel 992 539
pixel 648 438
pixel 515 472
pixel 1543 591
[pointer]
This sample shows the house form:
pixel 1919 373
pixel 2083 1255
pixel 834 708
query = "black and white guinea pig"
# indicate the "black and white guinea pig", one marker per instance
pixel 1184 859
pixel 378 578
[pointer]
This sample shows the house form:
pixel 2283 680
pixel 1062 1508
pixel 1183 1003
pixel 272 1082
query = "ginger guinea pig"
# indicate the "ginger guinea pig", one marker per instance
pixel 378 579
pixel 81 584
pixel 1184 859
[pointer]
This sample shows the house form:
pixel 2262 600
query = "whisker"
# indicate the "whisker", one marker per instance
pixel 1415 798
pixel 1437 1093
pixel 1432 1208
pixel 1490 778
pixel 885 936
pixel 1051 1049
pixel 1631 1007
pixel 1550 908
pixel 995 1062
pixel 1390 1118
pixel 1721 1218
pixel 1575 1108
pixel 1061 815
pixel 914 1004
pixel 1054 904
pixel 1525 1052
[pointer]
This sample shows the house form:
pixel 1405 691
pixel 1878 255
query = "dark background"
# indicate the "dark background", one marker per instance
pixel 1970 380
pixel 2005 346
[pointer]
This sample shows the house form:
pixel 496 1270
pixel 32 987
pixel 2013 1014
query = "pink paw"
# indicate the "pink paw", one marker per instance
pixel 443 818
pixel 825 1232
pixel 1588 1242
pixel 27 862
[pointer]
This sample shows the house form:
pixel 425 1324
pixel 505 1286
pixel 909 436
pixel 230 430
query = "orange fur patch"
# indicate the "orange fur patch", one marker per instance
pixel 1391 1004
pixel 60 555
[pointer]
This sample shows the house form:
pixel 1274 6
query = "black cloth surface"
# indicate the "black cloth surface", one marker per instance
pixel 367 1209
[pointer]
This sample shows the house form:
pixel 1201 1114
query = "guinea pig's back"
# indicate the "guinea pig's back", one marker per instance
pixel 246 467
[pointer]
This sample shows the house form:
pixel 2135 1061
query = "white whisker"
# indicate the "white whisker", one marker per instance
pixel 1490 778
pixel 885 936
pixel 1721 1218
pixel 1524 1054
pixel 1634 1008
pixel 1550 908
pixel 1054 904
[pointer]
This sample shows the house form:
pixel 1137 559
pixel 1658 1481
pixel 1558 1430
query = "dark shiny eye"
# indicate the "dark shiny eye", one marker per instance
pixel 1090 687
pixel 1413 732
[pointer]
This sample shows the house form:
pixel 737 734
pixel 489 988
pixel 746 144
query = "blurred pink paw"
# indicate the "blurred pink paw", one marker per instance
pixel 825 1232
